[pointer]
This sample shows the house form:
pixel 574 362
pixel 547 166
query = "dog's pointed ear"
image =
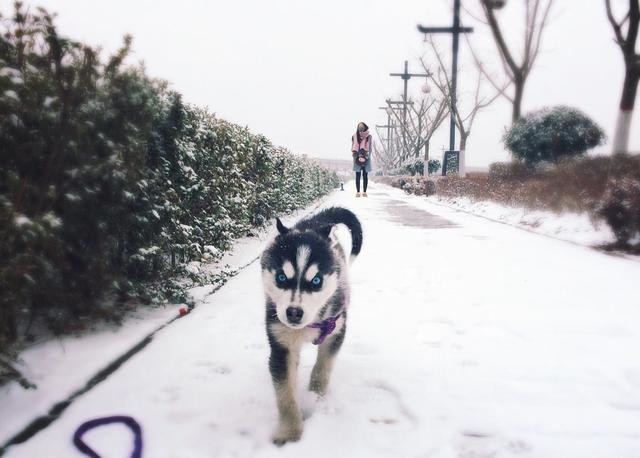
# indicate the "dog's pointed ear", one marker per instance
pixel 281 228
pixel 325 231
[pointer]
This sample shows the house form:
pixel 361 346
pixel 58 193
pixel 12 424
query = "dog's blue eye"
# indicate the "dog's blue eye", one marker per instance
pixel 281 277
pixel 316 280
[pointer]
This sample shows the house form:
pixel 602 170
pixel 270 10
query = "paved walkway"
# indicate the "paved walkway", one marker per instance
pixel 466 338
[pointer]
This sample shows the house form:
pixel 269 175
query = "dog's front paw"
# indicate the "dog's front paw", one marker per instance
pixel 287 432
pixel 318 386
pixel 319 382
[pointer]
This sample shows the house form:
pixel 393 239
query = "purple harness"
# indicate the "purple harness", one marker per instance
pixel 326 327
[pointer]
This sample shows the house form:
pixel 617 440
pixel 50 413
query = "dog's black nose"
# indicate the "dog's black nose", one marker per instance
pixel 294 314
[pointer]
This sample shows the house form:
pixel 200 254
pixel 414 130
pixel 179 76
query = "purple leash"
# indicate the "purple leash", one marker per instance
pixel 326 327
pixel 88 425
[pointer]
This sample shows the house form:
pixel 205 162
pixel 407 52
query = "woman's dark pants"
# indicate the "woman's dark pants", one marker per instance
pixel 365 180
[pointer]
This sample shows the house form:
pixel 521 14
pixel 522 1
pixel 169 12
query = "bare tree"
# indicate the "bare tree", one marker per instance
pixel 430 115
pixel 631 22
pixel 385 156
pixel 422 123
pixel 389 151
pixel 403 133
pixel 536 19
pixel 464 118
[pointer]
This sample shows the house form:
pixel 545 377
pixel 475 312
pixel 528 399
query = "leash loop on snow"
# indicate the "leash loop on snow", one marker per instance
pixel 90 424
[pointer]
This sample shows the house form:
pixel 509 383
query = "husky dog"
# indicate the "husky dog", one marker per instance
pixel 305 279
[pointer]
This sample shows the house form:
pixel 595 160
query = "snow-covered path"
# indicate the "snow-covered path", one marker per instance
pixel 466 338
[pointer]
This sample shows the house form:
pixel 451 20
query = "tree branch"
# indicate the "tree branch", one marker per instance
pixel 538 38
pixel 617 28
pixel 499 38
pixel 501 89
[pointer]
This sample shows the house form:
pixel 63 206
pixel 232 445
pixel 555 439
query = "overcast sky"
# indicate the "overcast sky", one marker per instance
pixel 304 73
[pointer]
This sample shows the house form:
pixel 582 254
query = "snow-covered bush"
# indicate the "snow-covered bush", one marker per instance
pixel 73 140
pixel 415 167
pixel 552 133
pixel 434 166
pixel 110 185
pixel 419 186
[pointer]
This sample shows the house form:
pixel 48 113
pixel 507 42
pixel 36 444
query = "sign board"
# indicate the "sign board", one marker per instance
pixel 450 162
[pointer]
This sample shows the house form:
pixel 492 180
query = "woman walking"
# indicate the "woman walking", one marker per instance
pixel 360 147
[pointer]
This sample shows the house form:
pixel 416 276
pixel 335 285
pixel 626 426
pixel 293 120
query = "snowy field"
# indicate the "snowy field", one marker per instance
pixel 466 338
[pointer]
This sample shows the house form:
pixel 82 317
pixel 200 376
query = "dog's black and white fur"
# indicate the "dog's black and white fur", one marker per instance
pixel 305 279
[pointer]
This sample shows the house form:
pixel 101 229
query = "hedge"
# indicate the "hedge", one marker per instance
pixel 109 183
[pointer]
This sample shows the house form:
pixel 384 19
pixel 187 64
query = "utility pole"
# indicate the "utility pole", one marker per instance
pixel 455 31
pixel 406 76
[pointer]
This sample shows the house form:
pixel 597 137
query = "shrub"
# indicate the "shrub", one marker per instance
pixel 411 168
pixel 416 168
pixel 73 137
pixel 620 208
pixel 434 166
pixel 510 170
pixel 583 185
pixel 552 133
pixel 420 186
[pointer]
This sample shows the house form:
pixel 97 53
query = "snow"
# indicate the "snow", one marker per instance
pixel 22 220
pixel 10 94
pixel 572 227
pixel 149 251
pixel 52 220
pixel 72 197
pixel 48 101
pixel 212 250
pixel 193 267
pixel 466 338
pixel 60 367
pixel 10 72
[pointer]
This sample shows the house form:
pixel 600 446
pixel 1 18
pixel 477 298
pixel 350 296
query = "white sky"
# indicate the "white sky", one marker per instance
pixel 304 73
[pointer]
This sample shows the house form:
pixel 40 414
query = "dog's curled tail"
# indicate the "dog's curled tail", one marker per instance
pixel 333 216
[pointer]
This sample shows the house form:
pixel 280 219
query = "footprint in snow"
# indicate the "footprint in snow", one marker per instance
pixel 387 396
pixel 205 369
pixel 483 444
pixel 167 394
